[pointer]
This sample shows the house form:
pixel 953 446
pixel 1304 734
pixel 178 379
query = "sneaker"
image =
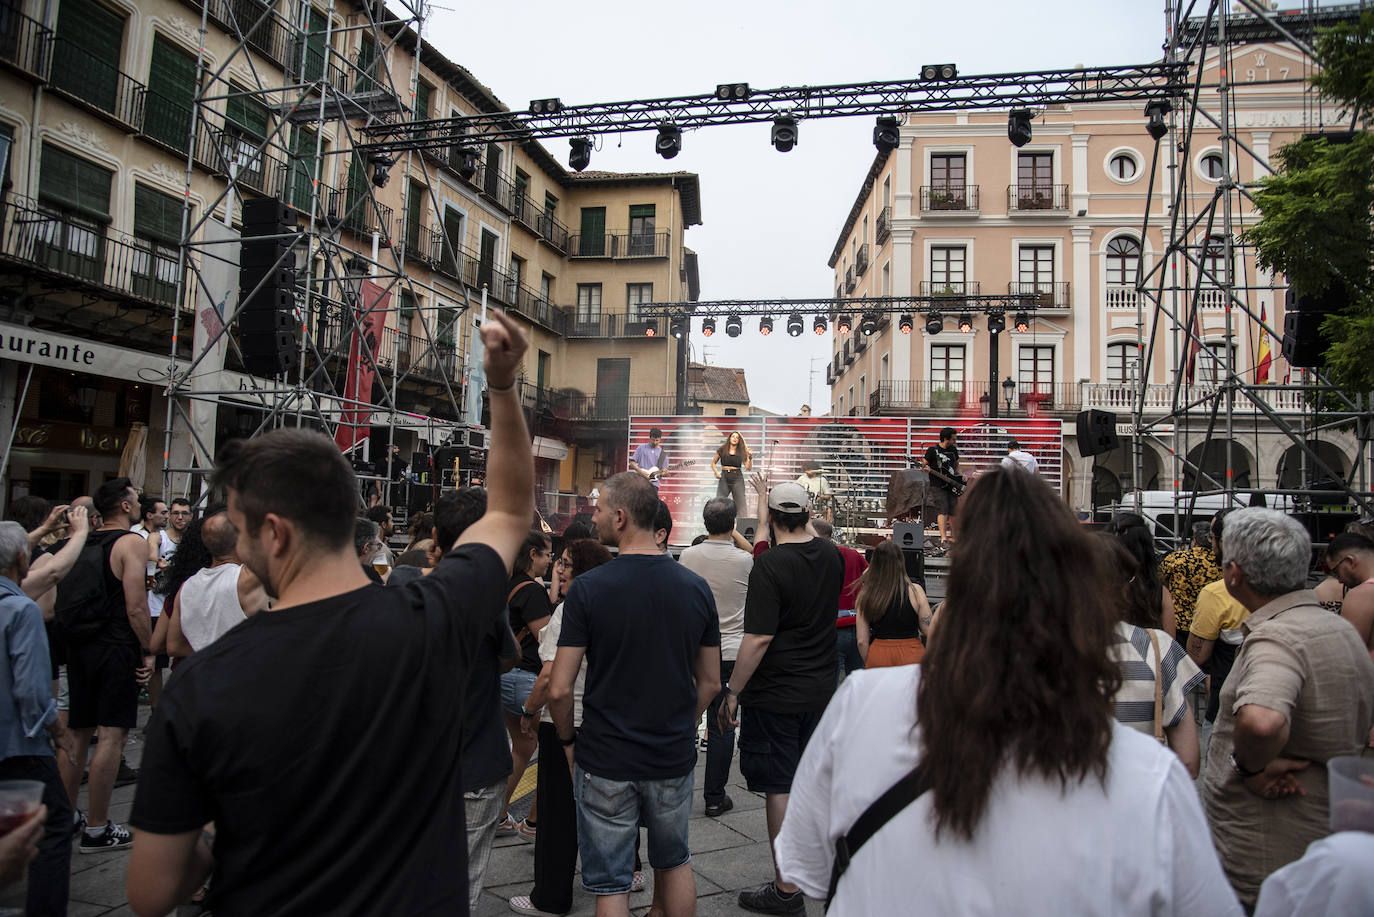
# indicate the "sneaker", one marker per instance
pixel 507 828
pixel 637 882
pixel 522 904
pixel 717 809
pixel 126 775
pixel 766 899
pixel 114 837
pixel 526 830
pixel 78 823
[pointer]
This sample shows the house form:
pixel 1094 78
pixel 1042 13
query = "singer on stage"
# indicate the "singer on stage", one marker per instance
pixel 729 463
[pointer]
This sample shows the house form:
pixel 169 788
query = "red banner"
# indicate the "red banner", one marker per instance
pixel 367 333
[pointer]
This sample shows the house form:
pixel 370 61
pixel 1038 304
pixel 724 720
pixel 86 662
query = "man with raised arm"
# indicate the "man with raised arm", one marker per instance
pixel 322 738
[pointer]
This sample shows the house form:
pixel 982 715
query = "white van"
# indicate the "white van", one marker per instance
pixel 1169 516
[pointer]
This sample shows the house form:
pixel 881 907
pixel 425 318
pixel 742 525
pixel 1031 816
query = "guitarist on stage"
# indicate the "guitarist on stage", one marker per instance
pixel 947 483
pixel 649 458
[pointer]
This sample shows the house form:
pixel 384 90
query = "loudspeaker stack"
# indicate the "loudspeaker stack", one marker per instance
pixel 1096 432
pixel 1303 342
pixel 267 336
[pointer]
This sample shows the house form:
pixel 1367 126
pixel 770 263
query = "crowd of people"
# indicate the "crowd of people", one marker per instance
pixel 1080 727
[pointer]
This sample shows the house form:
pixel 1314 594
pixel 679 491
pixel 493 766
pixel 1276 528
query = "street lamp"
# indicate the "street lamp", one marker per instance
pixel 1008 392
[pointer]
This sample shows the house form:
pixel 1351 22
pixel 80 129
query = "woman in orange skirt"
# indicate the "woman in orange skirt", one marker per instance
pixel 892 611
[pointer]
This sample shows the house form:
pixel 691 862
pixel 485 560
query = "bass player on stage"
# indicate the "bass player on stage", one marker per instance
pixel 648 459
pixel 942 461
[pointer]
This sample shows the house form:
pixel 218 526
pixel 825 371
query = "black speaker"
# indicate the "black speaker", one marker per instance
pixel 1096 432
pixel 909 536
pixel 915 565
pixel 1303 342
pixel 266 325
pixel 747 526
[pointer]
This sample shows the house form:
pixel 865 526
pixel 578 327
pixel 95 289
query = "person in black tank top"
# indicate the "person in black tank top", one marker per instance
pixel 892 611
pixel 729 463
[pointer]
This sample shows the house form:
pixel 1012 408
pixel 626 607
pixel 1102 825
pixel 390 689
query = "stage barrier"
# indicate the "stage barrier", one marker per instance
pixel 857 456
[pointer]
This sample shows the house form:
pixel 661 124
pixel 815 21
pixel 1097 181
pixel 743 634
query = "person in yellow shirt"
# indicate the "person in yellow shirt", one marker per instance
pixel 1215 635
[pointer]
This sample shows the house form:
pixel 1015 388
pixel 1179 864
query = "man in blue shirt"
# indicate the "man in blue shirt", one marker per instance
pixel 28 723
pixel 649 457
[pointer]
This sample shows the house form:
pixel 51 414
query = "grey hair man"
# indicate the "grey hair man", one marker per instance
pixel 1300 693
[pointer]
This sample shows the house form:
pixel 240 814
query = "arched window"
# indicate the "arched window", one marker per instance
pixel 1120 363
pixel 1123 261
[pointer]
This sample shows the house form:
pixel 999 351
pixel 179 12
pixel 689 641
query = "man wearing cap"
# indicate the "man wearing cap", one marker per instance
pixel 1017 457
pixel 785 670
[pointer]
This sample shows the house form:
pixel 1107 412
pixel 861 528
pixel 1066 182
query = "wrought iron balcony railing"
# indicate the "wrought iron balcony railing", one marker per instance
pixel 25 43
pixel 554 232
pixel 1049 294
pixel 861 260
pixel 352 208
pixel 602 325
pixel 87 81
pixel 945 198
pixel 849 279
pixel 496 187
pixel 566 405
pixel 619 245
pixel 954 289
pixel 884 225
pixel 1031 197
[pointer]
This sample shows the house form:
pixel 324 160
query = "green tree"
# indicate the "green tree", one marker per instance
pixel 1315 223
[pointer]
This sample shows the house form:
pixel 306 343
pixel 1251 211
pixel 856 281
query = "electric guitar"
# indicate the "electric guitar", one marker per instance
pixel 654 473
pixel 956 482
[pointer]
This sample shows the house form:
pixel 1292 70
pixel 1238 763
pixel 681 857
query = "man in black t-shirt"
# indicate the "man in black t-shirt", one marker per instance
pixel 943 461
pixel 785 671
pixel 324 738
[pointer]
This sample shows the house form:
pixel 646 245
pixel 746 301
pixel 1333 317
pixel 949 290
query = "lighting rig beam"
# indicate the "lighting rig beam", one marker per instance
pixel 825 308
pixel 1035 89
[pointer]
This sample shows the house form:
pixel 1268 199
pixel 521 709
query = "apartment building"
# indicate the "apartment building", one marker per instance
pixel 117 113
pixel 957 210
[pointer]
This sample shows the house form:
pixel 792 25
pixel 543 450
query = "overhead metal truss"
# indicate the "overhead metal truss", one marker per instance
pixel 996 304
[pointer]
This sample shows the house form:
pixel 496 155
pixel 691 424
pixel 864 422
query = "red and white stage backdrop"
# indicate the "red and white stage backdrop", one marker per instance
pixel 857 456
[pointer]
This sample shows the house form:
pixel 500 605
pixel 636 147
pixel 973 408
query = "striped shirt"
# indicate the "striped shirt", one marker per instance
pixel 1135 702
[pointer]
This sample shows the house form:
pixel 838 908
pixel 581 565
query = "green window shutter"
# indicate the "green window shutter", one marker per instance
pixel 171 94
pixel 422 91
pixel 245 111
pixel 592 240
pixel 94 27
pixel 156 215
pixel 641 210
pixel 72 182
pixel 407 307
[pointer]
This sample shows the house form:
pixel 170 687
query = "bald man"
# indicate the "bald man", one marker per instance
pixel 216 599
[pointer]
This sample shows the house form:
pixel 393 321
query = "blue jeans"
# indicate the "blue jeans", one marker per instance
pixel 609 813
pixel 847 643
pixel 720 746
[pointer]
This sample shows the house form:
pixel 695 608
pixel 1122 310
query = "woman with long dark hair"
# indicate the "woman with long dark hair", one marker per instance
pixel 891 612
pixel 731 460
pixel 190 558
pixel 1031 798
pixel 1135 536
pixel 529 609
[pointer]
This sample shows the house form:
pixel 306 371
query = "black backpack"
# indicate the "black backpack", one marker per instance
pixel 82 607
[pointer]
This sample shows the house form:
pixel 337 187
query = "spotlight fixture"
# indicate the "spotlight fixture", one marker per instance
pixel 966 323
pixel 650 330
pixel 1019 127
pixel 931 73
pixel 997 323
pixel 546 106
pixel 935 323
pixel 467 162
pixel 669 142
pixel 732 92
pixel 794 324
pixel 1021 322
pixel 708 327
pixel 580 152
pixel 1155 110
pixel 868 324
pixel 766 326
pixel 844 324
pixel 905 324
pixel 819 324
pixel 886 135
pixel 784 134
pixel 677 326
pixel 733 325
pixel 381 168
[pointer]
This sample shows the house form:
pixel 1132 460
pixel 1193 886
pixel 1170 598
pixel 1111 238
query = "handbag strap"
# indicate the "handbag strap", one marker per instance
pixel 1159 688
pixel 898 796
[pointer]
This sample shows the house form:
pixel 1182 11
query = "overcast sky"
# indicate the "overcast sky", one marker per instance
pixel 770 220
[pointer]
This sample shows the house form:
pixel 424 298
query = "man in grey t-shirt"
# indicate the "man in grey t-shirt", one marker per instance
pixel 726 570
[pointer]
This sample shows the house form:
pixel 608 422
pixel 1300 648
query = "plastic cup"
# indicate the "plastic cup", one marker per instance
pixel 18 800
pixel 1352 793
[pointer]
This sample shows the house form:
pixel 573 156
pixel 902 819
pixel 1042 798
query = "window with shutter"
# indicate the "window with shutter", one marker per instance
pixel 422 94
pixel 86 50
pixel 313 42
pixel 245 130
pixel 415 203
pixel 641 229
pixel 302 173
pixel 591 243
pixel 367 65
pixel 157 234
pixel 171 94
pixel 74 196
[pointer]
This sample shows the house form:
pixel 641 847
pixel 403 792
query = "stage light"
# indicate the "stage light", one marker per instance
pixel 886 135
pixel 669 142
pixel 650 330
pixel 546 106
pixel 732 92
pixel 930 73
pixel 580 152
pixel 733 325
pixel 1019 127
pixel 1155 110
pixel 819 324
pixel 935 323
pixel 844 324
pixel 677 326
pixel 966 323
pixel 784 134
pixel 997 323
pixel 868 324
pixel 1021 322
pixel 467 162
pixel 765 326
pixel 708 327
pixel 795 324
pixel 905 324
pixel 381 168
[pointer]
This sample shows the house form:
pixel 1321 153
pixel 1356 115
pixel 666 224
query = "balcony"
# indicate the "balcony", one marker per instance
pixel 619 246
pixel 884 225
pixel 1121 397
pixel 24 44
pixel 88 82
pixel 568 405
pixel 353 210
pixel 1210 297
pixel 900 396
pixel 553 232
pixel 496 187
pixel 400 351
pixel 954 289
pixel 1030 198
pixel 849 282
pixel 1122 297
pixel 89 254
pixel 847 353
pixel 1048 295
pixel 527 303
pixel 861 260
pixel 599 325
pixel 949 198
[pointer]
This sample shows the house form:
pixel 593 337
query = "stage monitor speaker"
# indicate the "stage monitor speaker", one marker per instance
pixel 909 536
pixel 915 565
pixel 1096 432
pixel 1303 342
pixel 748 527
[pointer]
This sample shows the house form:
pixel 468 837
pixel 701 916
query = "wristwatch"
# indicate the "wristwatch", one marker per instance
pixel 1239 769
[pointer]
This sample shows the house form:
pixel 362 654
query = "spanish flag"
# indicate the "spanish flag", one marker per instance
pixel 1265 357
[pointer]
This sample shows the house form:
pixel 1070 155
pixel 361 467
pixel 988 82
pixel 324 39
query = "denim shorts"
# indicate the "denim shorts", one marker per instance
pixel 609 813
pixel 515 689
